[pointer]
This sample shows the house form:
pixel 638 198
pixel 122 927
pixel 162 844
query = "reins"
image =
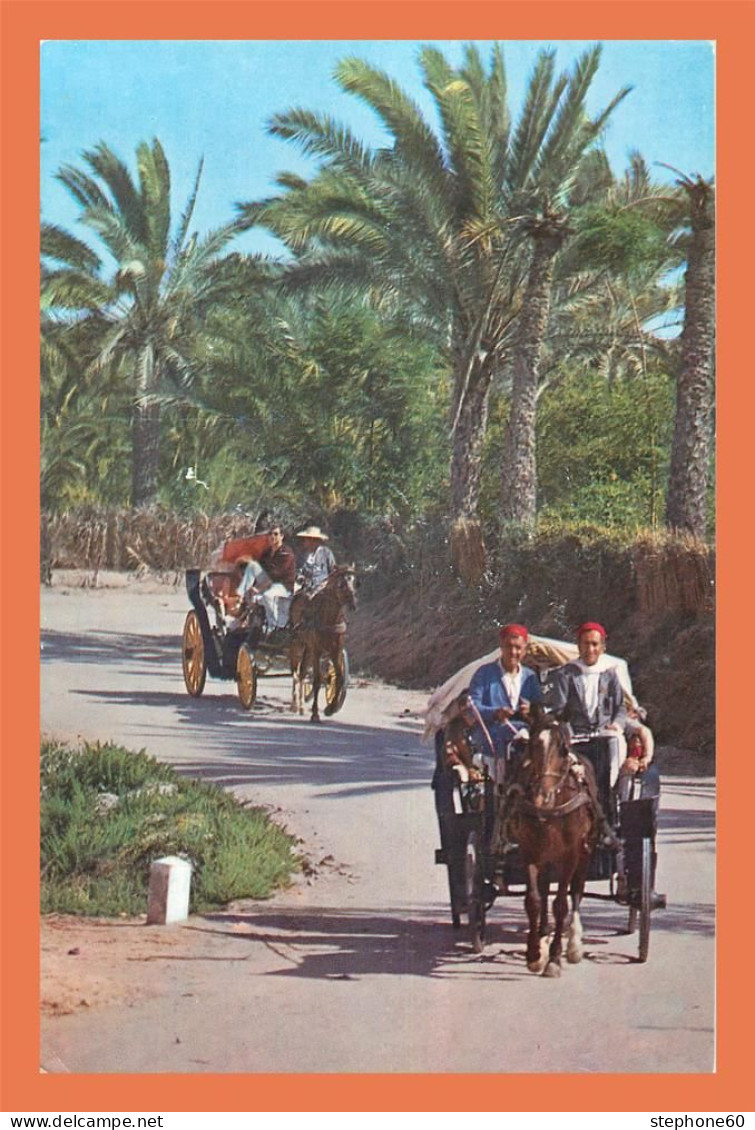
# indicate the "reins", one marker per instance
pixel 546 810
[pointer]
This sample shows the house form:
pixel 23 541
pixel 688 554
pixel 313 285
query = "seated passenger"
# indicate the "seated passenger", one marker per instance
pixel 501 692
pixel 269 582
pixel 590 696
pixel 639 759
pixel 589 693
pixel 460 749
pixel 317 562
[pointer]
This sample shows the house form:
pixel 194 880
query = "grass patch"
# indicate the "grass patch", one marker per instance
pixel 107 813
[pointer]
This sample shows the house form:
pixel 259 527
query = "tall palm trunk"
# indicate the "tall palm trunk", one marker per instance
pixel 145 431
pixel 519 477
pixel 468 440
pixel 690 455
pixel 145 438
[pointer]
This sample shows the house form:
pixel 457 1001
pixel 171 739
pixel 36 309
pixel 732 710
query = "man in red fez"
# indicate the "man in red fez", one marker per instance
pixel 589 694
pixel 588 690
pixel 501 693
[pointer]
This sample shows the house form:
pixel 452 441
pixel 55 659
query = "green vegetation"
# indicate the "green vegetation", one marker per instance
pixel 603 449
pixel 464 322
pixel 107 813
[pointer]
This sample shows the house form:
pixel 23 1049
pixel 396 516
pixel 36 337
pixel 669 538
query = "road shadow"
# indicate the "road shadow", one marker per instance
pixel 337 945
pixel 334 944
pixel 265 745
pixel 108 647
pixel 687 826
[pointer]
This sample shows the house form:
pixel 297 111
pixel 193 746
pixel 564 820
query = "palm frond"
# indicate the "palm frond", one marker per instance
pixel 57 243
pixel 85 190
pixel 321 136
pixel 498 117
pixel 120 184
pixel 553 158
pixel 465 137
pixel 533 121
pixel 188 212
pixel 74 290
pixel 154 181
pixel 412 136
pixel 114 233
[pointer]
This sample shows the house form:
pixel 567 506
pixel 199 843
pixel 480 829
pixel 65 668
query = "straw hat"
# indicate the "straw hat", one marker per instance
pixel 312 532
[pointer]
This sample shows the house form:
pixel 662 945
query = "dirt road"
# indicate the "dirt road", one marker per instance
pixel 356 968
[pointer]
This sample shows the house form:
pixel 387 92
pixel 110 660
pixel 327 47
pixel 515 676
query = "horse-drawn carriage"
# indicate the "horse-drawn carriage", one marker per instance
pixel 485 860
pixel 228 637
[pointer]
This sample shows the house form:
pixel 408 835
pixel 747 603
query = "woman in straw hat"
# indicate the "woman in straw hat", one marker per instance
pixel 318 562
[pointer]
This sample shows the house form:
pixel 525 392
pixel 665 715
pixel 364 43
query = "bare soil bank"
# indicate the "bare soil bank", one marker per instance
pixel 419 642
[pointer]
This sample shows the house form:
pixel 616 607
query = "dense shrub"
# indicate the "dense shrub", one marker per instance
pixel 107 813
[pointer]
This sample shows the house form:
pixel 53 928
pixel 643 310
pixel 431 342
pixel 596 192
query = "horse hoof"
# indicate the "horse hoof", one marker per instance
pixel 534 967
pixel 315 718
pixel 574 956
pixel 552 969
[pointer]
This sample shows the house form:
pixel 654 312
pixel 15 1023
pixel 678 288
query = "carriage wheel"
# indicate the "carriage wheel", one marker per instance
pixel 336 680
pixel 646 891
pixel 475 893
pixel 193 656
pixel 246 676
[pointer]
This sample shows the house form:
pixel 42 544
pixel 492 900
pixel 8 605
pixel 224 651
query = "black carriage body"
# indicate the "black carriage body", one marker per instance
pixel 636 820
pixel 467 835
pixel 243 654
pixel 221 651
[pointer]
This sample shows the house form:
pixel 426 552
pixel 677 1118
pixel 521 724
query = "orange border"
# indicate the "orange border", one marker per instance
pixel 24 23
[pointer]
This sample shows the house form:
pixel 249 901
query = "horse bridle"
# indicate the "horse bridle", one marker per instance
pixel 332 598
pixel 542 812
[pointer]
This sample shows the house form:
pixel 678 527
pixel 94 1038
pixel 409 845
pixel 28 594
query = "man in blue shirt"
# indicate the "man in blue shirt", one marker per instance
pixel 502 693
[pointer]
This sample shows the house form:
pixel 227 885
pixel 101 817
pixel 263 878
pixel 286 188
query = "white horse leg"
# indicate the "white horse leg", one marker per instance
pixel 297 685
pixel 574 941
pixel 539 965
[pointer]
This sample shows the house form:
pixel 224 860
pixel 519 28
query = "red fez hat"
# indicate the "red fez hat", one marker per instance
pixel 591 626
pixel 509 630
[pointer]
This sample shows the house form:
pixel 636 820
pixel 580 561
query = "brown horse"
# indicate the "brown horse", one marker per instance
pixel 318 630
pixel 554 823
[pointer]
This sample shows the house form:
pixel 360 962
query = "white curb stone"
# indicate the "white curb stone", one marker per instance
pixel 169 886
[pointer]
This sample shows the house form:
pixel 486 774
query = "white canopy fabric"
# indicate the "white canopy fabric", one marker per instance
pixel 542 653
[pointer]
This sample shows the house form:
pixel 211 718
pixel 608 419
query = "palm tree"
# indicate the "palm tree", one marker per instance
pixel 153 299
pixel 519 477
pixel 435 225
pixel 690 454
pixel 566 137
pixel 611 289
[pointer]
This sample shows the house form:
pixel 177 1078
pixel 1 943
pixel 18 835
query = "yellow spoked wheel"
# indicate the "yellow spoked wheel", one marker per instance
pixel 336 678
pixel 246 676
pixel 194 658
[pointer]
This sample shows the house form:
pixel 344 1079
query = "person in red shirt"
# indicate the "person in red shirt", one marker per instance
pixel 270 581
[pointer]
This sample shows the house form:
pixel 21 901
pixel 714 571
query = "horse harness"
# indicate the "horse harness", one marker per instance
pixel 548 808
pixel 338 628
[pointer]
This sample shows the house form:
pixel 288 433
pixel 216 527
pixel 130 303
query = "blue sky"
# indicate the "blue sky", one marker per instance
pixel 214 98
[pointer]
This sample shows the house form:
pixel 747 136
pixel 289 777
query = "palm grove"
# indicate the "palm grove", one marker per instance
pixel 461 323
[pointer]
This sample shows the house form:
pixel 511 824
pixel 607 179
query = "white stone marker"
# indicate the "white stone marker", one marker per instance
pixel 169 886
